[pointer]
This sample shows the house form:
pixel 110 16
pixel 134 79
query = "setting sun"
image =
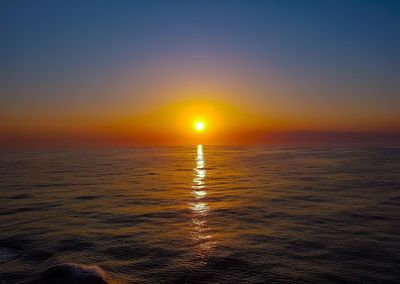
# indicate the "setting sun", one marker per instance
pixel 199 125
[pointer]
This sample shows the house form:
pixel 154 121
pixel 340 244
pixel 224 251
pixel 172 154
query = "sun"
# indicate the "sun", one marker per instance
pixel 199 125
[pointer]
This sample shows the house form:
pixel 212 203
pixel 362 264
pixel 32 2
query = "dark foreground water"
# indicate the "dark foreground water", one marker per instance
pixel 203 214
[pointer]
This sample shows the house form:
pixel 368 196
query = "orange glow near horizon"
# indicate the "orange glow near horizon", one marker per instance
pixel 180 122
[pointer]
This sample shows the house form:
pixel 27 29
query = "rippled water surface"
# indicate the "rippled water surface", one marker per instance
pixel 204 214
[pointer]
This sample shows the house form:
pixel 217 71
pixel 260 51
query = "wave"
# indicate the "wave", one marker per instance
pixel 67 273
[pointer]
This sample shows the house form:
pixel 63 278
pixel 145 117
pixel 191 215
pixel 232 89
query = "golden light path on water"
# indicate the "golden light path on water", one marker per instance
pixel 200 208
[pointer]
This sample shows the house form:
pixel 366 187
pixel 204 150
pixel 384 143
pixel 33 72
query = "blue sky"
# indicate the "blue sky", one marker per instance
pixel 331 54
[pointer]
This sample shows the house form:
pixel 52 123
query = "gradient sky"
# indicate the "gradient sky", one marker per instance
pixel 139 72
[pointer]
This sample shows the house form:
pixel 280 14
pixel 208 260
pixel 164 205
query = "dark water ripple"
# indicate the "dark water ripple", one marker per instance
pixel 201 215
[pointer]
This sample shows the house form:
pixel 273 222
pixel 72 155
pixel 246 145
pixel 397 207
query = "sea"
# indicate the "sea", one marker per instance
pixel 200 214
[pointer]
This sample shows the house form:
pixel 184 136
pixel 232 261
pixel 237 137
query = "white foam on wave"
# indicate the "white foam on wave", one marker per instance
pixel 72 273
pixel 82 269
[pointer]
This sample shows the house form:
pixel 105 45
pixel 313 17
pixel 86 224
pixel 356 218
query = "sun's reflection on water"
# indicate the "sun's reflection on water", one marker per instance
pixel 200 208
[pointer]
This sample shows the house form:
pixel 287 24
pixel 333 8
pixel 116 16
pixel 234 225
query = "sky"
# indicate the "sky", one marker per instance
pixel 141 72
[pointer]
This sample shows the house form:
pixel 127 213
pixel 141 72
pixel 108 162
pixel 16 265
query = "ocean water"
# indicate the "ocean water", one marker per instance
pixel 202 214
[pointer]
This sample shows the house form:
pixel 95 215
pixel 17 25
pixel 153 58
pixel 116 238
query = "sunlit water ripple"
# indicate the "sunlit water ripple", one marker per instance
pixel 203 214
